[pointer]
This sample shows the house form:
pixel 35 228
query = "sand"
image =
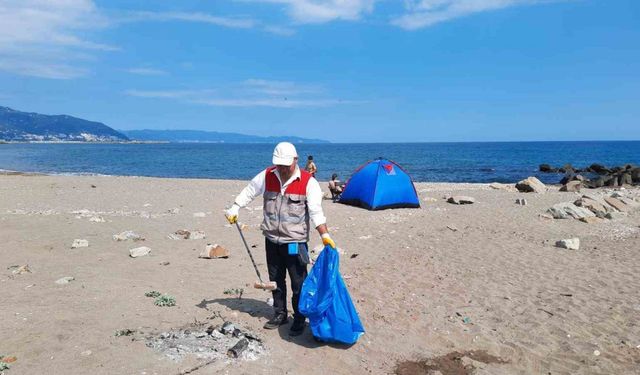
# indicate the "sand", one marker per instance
pixel 427 282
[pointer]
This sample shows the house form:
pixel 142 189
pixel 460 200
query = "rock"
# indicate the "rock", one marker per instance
pixel 599 169
pixel 625 179
pixel 592 205
pixel 567 209
pixel 214 251
pixel 139 252
pixel 571 244
pixel 611 181
pixel 616 203
pixel 572 186
pixel 591 220
pixel 65 280
pixel 128 235
pixel 461 199
pixel 615 215
pixel 531 185
pixel 97 219
pixel 629 202
pixel 174 237
pixel 568 177
pixel 635 175
pixel 597 183
pixel 79 243
pixel 546 168
pixel 567 168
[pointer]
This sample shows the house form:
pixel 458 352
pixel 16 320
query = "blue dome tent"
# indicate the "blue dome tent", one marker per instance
pixel 378 185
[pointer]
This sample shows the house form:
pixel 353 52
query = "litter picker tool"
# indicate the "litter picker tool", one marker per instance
pixel 258 284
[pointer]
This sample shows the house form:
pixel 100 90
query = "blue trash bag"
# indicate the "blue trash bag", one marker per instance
pixel 326 302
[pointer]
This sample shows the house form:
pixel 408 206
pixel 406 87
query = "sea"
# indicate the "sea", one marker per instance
pixel 483 162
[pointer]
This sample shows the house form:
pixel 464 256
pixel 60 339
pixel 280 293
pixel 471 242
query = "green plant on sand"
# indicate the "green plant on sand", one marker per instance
pixel 165 300
pixel 153 294
pixel 235 292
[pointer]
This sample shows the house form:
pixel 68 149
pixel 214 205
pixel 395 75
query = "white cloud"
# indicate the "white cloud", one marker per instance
pixel 424 13
pixel 249 93
pixel 146 71
pixel 321 11
pixel 56 27
pixel 240 23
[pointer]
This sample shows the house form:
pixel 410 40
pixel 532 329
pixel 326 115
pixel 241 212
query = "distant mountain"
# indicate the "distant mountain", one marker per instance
pixel 208 137
pixel 25 126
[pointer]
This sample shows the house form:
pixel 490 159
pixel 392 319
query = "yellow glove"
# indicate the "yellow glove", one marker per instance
pixel 326 240
pixel 232 214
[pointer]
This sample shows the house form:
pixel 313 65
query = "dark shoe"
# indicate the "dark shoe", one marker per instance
pixel 297 327
pixel 277 320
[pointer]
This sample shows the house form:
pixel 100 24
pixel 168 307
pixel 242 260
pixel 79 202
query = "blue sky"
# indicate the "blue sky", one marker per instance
pixel 342 70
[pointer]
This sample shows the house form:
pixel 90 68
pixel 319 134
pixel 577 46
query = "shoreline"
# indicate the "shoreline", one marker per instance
pixel 10 172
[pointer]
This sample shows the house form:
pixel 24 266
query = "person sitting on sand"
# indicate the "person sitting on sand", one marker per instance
pixel 311 166
pixel 335 187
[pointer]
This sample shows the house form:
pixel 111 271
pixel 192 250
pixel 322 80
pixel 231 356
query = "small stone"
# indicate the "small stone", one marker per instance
pixel 139 252
pixel 571 244
pixel 86 353
pixel 97 219
pixel 461 199
pixel 227 328
pixel 596 353
pixel 65 280
pixel 199 214
pixel 214 251
pixel 79 243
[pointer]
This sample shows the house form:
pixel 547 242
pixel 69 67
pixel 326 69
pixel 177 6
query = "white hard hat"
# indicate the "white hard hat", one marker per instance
pixel 284 153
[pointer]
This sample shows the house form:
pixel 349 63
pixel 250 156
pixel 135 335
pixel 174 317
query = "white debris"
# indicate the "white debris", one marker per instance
pixel 196 235
pixel 128 235
pixel 79 243
pixel 199 214
pixel 65 280
pixel 139 252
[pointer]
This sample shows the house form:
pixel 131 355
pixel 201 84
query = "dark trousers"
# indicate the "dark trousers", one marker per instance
pixel 279 262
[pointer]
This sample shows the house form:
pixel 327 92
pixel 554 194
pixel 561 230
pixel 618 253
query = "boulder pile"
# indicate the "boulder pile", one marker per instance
pixel 595 175
pixel 592 208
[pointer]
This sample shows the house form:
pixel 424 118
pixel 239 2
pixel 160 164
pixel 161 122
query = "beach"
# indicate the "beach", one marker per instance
pixel 426 282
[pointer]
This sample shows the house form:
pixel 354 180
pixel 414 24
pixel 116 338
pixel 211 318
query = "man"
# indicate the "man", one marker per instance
pixel 292 198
